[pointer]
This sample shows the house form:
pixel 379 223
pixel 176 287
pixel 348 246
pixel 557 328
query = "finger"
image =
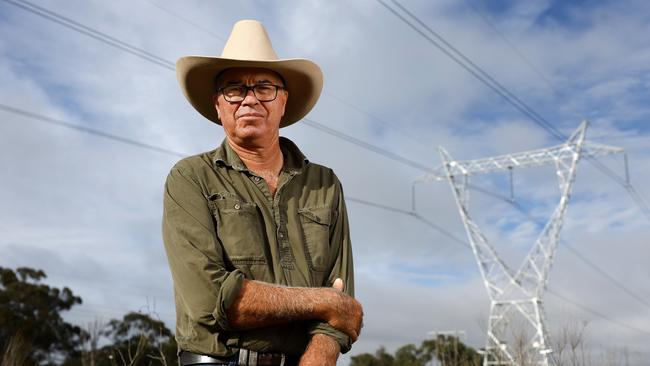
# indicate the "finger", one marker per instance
pixel 338 284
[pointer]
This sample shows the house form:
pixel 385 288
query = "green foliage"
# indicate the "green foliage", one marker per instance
pixel 380 358
pixel 32 331
pixel 448 350
pixel 138 340
pixel 31 311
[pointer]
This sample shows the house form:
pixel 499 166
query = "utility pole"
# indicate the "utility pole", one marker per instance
pixel 518 295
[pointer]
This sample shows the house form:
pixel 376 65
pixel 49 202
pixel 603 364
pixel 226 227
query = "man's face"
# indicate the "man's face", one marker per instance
pixel 250 121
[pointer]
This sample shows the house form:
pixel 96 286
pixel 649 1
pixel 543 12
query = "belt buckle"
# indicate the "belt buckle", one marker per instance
pixel 247 357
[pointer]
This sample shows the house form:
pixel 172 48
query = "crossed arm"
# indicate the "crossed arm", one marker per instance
pixel 260 304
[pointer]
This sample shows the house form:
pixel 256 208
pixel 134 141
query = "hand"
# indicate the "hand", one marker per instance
pixel 345 313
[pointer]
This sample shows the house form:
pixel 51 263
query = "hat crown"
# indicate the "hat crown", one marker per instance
pixel 249 41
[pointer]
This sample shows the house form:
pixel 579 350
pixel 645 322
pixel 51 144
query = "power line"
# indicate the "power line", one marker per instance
pixel 605 274
pixel 188 21
pixel 147 56
pixel 459 58
pixel 513 47
pixel 380 120
pixel 340 100
pixel 91 131
pixel 572 250
pixel 52 16
pixel 343 136
pixel 413 214
pixel 467 246
pixel 147 146
pixel 469 66
pixel 380 206
pixel 369 203
pixel 596 313
pixel 93 33
pixel 100 36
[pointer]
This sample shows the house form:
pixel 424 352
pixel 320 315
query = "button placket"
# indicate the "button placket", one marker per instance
pixel 287 260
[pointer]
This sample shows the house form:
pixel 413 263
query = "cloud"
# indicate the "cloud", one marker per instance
pixel 87 210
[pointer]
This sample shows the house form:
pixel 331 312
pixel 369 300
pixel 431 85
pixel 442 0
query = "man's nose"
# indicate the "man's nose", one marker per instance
pixel 250 97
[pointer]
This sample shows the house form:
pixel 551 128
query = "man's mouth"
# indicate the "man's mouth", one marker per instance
pixel 250 114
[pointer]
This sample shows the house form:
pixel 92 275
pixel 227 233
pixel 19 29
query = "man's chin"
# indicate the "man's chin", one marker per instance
pixel 252 136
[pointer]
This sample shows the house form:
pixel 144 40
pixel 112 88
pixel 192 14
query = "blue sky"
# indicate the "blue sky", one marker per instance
pixel 87 209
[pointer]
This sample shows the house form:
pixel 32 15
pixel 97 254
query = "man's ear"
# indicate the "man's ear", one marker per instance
pixel 286 98
pixel 215 103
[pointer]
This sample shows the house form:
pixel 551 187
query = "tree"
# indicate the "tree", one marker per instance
pixel 448 350
pixel 451 351
pixel 569 345
pixel 137 340
pixel 380 358
pixel 30 312
pixel 410 355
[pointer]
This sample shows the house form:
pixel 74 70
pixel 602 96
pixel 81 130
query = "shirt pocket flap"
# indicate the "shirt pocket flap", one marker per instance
pixel 320 215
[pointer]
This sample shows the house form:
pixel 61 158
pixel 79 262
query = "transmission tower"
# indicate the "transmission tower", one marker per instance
pixel 518 295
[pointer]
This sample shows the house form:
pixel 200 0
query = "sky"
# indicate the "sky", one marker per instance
pixel 87 209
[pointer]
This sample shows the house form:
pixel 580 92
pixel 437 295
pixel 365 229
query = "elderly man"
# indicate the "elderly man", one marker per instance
pixel 256 235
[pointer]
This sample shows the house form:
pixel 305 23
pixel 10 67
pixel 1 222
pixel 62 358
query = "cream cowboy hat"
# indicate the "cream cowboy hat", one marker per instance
pixel 249 46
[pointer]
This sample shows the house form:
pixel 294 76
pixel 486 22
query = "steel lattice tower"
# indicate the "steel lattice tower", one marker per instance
pixel 518 295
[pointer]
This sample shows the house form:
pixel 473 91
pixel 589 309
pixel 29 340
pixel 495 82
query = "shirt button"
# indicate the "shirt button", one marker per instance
pixel 257 179
pixel 281 235
pixel 237 206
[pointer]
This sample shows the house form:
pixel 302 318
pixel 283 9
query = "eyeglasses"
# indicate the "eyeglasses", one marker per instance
pixel 263 92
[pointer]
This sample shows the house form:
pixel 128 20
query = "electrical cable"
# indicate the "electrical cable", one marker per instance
pixel 392 125
pixel 93 33
pixel 596 313
pixel 357 200
pixel 413 214
pixel 88 130
pixel 102 37
pixel 50 15
pixel 514 48
pixel 188 21
pixel 485 78
pixel 340 100
pixel 145 55
pixel 343 136
pixel 572 250
pixel 474 70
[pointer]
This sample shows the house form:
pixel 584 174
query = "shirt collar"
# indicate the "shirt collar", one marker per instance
pixel 294 160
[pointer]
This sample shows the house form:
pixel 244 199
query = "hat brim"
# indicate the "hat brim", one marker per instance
pixel 303 78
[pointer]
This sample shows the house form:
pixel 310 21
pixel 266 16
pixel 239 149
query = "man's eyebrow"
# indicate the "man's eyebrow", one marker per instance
pixel 239 82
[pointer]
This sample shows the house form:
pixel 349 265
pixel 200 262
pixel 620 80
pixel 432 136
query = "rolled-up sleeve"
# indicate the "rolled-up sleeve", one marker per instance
pixel 204 288
pixel 342 268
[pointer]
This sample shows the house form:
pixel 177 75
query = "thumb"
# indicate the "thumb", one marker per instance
pixel 338 284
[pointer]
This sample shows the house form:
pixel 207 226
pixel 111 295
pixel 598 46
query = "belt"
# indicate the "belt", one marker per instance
pixel 244 358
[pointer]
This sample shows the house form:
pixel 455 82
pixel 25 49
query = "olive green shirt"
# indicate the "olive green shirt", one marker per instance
pixel 221 225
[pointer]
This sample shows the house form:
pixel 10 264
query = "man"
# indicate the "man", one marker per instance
pixel 256 235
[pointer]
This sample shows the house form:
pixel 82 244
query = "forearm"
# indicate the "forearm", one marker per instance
pixel 322 350
pixel 260 304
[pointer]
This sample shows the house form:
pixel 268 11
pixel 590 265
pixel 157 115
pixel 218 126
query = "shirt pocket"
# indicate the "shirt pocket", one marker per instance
pixel 316 230
pixel 240 229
